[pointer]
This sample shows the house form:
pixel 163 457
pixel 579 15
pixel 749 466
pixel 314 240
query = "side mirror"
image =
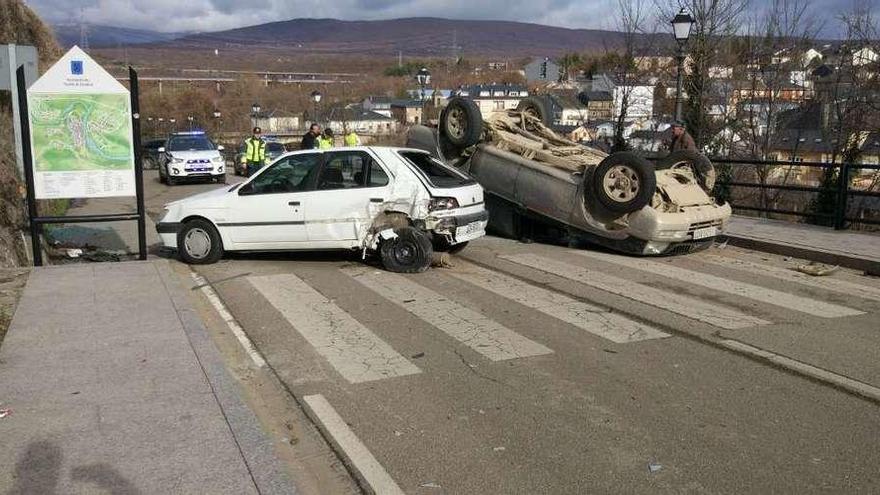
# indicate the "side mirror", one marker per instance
pixel 246 189
pixel 161 149
pixel 220 148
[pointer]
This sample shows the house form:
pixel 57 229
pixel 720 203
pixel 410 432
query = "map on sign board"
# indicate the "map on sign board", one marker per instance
pixel 81 132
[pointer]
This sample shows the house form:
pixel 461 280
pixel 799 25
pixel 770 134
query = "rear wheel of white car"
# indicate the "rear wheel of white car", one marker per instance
pixel 198 243
pixel 703 169
pixel 624 182
pixel 409 252
pixel 461 122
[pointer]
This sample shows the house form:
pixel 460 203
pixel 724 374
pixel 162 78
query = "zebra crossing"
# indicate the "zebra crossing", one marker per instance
pixel 359 354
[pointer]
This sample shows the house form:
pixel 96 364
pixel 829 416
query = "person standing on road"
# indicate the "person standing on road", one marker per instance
pixel 255 152
pixel 351 138
pixel 325 142
pixel 680 140
pixel 310 138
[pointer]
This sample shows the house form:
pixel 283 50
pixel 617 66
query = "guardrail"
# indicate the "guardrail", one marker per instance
pixel 842 190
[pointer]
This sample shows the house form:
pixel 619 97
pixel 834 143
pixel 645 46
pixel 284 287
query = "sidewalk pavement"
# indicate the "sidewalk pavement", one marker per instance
pixel 115 386
pixel 838 247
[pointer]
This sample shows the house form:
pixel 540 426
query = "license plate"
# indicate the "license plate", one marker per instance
pixel 705 233
pixel 470 231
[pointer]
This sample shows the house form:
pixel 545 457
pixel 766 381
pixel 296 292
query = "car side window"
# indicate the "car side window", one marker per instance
pixel 344 170
pixel 289 174
pixel 377 177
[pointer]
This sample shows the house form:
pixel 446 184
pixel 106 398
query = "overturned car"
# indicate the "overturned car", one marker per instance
pixel 533 176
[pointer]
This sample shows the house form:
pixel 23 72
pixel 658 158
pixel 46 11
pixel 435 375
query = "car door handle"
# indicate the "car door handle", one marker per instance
pixel 376 200
pixel 293 203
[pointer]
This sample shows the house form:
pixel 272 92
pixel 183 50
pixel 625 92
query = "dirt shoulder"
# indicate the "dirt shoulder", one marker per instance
pixel 12 281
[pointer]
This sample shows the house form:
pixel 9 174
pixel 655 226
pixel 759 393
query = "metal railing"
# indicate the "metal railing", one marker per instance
pixel 842 192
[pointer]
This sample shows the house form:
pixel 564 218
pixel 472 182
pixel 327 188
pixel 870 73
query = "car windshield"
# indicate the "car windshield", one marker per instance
pixel 189 143
pixel 438 174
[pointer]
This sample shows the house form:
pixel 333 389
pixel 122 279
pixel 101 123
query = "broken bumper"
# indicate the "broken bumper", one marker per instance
pixel 460 228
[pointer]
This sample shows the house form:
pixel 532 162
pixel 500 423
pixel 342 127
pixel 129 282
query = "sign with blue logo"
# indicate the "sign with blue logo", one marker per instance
pixel 81 131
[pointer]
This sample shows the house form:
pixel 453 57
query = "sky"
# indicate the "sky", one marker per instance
pixel 215 15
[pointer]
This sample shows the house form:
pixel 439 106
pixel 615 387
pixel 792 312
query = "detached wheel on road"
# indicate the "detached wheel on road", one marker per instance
pixel 537 107
pixel 199 243
pixel 461 122
pixel 409 252
pixel 624 182
pixel 703 169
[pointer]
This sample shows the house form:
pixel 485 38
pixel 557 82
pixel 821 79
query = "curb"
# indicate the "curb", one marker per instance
pixel 871 267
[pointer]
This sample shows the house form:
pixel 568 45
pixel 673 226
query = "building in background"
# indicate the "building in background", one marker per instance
pixel 495 97
pixel 407 112
pixel 278 121
pixel 542 70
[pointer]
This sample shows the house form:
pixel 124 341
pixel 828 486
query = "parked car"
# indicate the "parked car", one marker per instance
pixel 400 203
pixel 150 153
pixel 537 180
pixel 274 149
pixel 191 156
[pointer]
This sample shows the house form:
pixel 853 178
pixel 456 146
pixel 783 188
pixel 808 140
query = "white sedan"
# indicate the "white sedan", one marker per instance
pixel 399 202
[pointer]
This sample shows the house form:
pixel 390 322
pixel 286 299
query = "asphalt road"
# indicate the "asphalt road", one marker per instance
pixel 529 368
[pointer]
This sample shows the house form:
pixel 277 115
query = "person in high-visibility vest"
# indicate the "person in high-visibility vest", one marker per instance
pixel 351 138
pixel 326 141
pixel 255 152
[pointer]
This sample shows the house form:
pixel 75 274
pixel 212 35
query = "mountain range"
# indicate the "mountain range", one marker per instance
pixel 411 36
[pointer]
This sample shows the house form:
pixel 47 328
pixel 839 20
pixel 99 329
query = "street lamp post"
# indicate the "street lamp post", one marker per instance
pixel 316 97
pixel 681 29
pixel 217 122
pixel 173 124
pixel 189 118
pixel 423 77
pixel 255 110
pixel 161 125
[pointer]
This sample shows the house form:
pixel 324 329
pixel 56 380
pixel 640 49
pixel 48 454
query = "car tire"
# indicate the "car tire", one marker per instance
pixel 171 181
pixel 409 252
pixel 702 167
pixel 163 179
pixel 221 179
pixel 199 243
pixel 538 107
pixel 624 182
pixel 461 122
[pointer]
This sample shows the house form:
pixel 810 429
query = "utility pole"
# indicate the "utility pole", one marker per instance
pixel 83 31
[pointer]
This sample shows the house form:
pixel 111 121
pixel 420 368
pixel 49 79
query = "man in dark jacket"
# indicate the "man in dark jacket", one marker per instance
pixel 310 139
pixel 681 140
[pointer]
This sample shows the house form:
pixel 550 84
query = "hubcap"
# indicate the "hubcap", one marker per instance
pixel 455 123
pixel 621 183
pixel 405 253
pixel 197 243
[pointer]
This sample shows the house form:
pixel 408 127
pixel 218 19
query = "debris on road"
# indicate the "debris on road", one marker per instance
pixel 653 467
pixel 429 485
pixel 499 449
pixel 74 253
pixel 441 260
pixel 417 355
pixel 817 269
pixel 5 412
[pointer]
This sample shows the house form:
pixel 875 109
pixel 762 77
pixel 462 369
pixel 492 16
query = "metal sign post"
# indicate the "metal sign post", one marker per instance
pixel 138 163
pixel 37 222
pixel 10 59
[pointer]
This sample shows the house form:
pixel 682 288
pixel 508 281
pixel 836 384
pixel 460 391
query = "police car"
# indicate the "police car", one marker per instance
pixel 191 156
